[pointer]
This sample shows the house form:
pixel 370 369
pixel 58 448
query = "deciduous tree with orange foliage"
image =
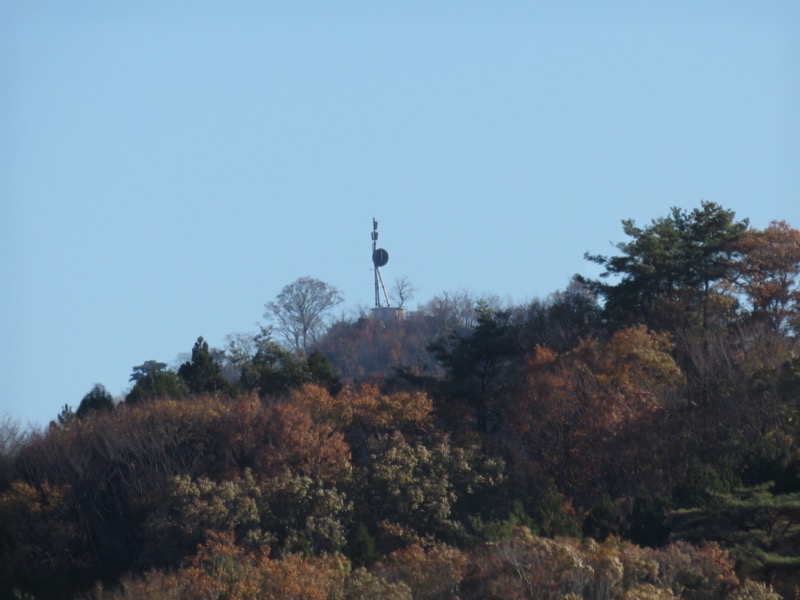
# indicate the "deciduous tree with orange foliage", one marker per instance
pixel 769 271
pixel 589 418
pixel 664 402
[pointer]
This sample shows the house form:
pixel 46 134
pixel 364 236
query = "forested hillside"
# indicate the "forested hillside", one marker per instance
pixel 633 436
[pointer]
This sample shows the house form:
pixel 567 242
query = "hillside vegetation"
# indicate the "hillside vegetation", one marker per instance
pixel 630 437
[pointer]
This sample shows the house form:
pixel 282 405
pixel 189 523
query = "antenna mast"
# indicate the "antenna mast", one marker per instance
pixel 379 259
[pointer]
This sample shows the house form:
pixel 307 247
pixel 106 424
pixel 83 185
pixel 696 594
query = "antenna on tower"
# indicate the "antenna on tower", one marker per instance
pixel 379 259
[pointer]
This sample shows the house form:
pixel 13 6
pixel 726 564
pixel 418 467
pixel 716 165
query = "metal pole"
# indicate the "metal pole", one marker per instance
pixel 375 267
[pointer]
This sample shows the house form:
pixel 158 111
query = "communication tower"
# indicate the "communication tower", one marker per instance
pixel 388 314
pixel 379 259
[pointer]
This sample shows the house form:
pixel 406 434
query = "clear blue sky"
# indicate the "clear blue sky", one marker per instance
pixel 164 172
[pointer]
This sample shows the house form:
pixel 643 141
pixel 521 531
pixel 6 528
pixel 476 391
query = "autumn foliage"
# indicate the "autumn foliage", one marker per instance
pixel 628 438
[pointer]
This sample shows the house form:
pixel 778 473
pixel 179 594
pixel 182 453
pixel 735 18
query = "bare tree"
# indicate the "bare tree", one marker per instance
pixel 11 435
pixel 403 290
pixel 457 310
pixel 299 311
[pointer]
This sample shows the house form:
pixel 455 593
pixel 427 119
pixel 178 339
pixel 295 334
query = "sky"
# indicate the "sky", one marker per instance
pixel 167 168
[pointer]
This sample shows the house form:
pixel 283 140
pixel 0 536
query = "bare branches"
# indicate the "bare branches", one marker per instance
pixel 299 311
pixel 403 290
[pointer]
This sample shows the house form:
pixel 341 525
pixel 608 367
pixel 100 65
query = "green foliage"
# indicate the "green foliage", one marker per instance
pixel 563 319
pixel 701 481
pixel 761 528
pixel 305 514
pixel 420 486
pixel 202 374
pixel 270 370
pixel 552 516
pixel 493 530
pixel 360 548
pixel 411 484
pixel 789 381
pixel 152 380
pixel 147 370
pixel 648 523
pixel 533 419
pixel 476 362
pixel 66 416
pixel 196 507
pixel 670 272
pixel 98 399
pixel 478 355
pixel 603 520
pixel 291 513
pixel 321 372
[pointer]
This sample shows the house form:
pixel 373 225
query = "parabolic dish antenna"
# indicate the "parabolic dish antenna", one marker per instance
pixel 380 257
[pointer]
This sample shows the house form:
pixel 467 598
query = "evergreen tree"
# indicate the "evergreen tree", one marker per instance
pixel 603 520
pixel 760 528
pixel 152 380
pixel 97 399
pixel 269 369
pixel 476 361
pixel 202 374
pixel 551 515
pixel 320 372
pixel 674 272
pixel 65 417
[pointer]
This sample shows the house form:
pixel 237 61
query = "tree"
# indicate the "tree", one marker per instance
pixel 674 272
pixel 433 572
pixel 34 522
pixel 65 417
pixel 202 374
pixel 456 310
pixel 270 370
pixel 769 271
pixel 299 311
pixel 403 290
pixel 152 380
pixel 321 372
pixel 195 508
pixel 759 527
pixel 562 320
pixel 424 487
pixel 591 418
pixel 12 438
pixel 97 399
pixel 552 513
pixel 476 362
